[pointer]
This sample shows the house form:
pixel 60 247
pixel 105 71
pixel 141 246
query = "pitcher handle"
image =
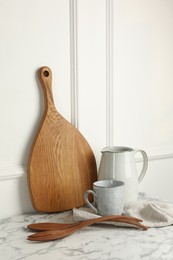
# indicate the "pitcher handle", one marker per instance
pixel 145 165
pixel 87 201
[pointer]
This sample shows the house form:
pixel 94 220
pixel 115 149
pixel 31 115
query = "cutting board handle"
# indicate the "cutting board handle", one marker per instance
pixel 45 77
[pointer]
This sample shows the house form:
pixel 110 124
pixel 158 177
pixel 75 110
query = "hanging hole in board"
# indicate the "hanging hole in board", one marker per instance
pixel 46 73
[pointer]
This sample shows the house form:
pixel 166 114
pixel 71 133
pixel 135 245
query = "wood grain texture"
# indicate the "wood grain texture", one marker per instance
pixel 62 165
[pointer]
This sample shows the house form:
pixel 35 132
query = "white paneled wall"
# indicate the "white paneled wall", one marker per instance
pixel 92 72
pixel 112 63
pixel 144 75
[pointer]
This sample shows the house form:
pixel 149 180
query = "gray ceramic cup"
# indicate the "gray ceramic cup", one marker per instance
pixel 108 197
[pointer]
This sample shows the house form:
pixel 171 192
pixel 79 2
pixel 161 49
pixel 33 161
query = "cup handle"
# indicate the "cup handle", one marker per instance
pixel 87 201
pixel 145 165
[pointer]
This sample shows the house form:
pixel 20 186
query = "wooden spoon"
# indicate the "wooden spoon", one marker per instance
pixel 60 226
pixel 57 234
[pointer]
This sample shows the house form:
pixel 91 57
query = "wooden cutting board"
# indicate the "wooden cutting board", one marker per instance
pixel 61 165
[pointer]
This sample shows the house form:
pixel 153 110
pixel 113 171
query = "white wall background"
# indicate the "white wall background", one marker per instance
pixel 112 63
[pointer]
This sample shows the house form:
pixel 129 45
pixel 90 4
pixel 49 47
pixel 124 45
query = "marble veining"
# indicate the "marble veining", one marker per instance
pixel 103 242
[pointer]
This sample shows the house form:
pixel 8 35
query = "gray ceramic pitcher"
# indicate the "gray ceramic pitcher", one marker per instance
pixel 118 162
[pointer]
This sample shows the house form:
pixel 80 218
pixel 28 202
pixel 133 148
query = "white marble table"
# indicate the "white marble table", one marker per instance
pixel 95 242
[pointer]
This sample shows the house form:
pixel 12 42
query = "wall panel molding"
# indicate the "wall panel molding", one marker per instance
pixel 160 157
pixel 73 62
pixel 109 72
pixel 157 157
pixel 8 173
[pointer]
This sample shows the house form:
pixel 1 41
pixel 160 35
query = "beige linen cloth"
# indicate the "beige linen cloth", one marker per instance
pixel 154 213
